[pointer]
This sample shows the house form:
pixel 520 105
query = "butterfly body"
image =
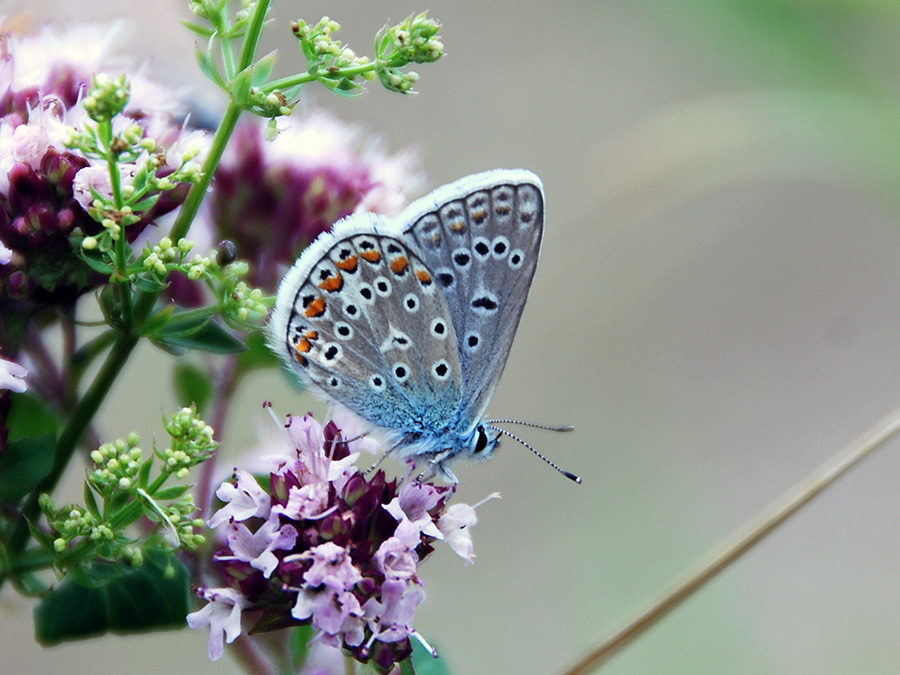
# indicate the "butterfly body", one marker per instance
pixel 408 321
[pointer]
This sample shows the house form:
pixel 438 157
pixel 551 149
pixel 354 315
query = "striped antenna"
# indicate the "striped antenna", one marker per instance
pixel 568 474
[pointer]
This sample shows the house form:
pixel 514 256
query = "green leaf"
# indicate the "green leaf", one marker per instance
pixel 29 416
pixel 144 473
pixel 208 67
pixel 193 385
pixel 97 264
pixel 171 492
pixel 197 29
pixel 298 644
pixel 262 69
pixel 258 355
pixel 426 664
pixel 152 596
pixel 210 338
pixel 25 462
pixel 240 87
pixel 147 284
pixel 147 203
pixel 90 502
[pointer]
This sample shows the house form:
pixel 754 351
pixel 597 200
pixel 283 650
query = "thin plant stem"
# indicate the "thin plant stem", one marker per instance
pixel 743 539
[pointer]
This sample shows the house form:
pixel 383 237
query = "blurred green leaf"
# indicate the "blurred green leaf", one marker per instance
pixel 426 664
pixel 258 355
pixel 192 385
pixel 210 337
pixel 29 416
pixel 25 462
pixel 152 596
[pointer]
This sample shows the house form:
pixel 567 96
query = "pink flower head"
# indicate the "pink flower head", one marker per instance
pixel 273 198
pixel 334 548
pixel 223 616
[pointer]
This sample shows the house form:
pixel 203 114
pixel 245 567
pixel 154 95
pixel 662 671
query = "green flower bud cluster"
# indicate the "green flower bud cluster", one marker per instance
pixel 166 255
pixel 186 527
pixel 328 60
pixel 414 40
pixel 117 465
pixel 192 442
pixel 107 97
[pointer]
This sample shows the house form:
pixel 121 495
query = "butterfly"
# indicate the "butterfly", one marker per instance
pixel 408 321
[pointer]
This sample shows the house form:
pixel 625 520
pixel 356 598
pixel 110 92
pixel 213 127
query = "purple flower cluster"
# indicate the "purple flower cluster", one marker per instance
pixel 329 546
pixel 274 198
pixel 45 188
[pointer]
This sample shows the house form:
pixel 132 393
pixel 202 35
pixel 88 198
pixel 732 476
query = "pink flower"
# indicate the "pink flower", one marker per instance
pixel 12 376
pixel 223 616
pixel 243 499
pixel 257 547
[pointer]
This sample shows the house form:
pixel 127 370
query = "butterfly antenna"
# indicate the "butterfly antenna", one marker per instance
pixel 546 427
pixel 568 474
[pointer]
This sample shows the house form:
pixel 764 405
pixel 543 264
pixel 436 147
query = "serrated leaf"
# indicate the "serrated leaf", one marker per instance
pixel 193 385
pixel 25 462
pixel 152 596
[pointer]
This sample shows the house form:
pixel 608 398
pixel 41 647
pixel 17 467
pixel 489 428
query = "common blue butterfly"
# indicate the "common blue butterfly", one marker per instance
pixel 408 321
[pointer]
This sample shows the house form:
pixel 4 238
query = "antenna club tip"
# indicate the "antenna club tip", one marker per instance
pixel 567 427
pixel 572 477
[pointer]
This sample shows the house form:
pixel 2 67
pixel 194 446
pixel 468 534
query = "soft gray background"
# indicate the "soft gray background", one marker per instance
pixel 717 310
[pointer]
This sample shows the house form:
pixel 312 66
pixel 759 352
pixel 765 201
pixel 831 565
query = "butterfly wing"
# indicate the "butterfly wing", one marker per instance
pixel 481 237
pixel 361 318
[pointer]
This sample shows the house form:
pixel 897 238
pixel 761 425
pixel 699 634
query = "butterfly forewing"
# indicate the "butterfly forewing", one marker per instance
pixel 481 240
pixel 370 329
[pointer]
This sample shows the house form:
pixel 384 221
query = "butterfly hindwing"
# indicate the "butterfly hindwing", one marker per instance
pixel 481 238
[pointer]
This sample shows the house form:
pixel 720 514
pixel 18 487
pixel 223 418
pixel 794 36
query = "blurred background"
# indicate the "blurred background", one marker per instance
pixel 717 311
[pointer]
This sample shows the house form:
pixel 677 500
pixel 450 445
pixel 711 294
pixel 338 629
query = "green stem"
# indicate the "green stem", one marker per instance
pixel 68 440
pixel 743 540
pixel 89 405
pixel 304 78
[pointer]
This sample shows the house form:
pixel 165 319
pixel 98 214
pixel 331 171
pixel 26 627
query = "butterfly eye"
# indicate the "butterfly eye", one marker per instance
pixel 482 441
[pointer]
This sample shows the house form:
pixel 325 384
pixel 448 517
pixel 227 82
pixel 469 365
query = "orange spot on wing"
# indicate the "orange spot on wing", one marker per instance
pixel 300 358
pixel 423 276
pixel 316 307
pixel 399 265
pixel 458 225
pixel 332 284
pixel 304 346
pixel 371 256
pixel 348 265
